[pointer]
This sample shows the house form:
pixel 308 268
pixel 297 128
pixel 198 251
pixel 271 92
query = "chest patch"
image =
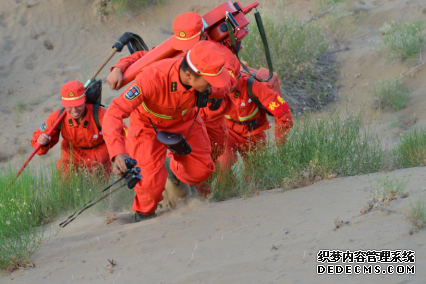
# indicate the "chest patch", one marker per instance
pixel 237 94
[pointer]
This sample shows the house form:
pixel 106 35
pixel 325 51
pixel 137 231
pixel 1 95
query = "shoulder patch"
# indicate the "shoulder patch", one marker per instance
pixel 174 87
pixel 133 93
pixel 43 127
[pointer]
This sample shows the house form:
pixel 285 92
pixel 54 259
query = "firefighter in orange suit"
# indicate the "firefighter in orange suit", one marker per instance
pixel 83 144
pixel 188 30
pixel 163 98
pixel 247 123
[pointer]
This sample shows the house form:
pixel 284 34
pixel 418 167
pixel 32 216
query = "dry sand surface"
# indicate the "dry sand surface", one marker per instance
pixel 270 238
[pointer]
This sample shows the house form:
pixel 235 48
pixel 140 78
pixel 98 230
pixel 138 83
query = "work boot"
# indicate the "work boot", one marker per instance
pixel 137 217
pixel 174 192
pixel 170 174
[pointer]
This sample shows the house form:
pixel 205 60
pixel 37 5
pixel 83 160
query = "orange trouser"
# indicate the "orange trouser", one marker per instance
pixel 238 143
pixel 151 154
pixel 218 135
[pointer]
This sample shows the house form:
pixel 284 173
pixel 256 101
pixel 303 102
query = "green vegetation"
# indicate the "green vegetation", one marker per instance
pixel 387 189
pixel 416 214
pixel 37 198
pixel 327 4
pixel 298 52
pixel 411 150
pixel 131 5
pixel 20 107
pixel 318 148
pixel 391 94
pixel 403 40
pixel 339 23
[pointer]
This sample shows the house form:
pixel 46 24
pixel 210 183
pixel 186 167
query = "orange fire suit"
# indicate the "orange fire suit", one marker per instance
pixel 214 120
pixel 158 94
pixel 82 144
pixel 247 123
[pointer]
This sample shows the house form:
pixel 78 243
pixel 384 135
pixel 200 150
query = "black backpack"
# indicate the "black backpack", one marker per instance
pixel 94 97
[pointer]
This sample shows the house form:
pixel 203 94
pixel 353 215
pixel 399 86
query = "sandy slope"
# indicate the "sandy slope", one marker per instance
pixel 257 240
pixel 237 241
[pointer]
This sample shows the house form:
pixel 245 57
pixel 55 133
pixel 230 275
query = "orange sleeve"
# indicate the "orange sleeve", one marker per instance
pixel 119 109
pixel 125 62
pixel 44 128
pixel 276 105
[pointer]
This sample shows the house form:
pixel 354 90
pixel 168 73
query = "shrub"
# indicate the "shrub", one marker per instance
pixel 299 57
pixel 391 94
pixel 404 40
pixel 387 189
pixel 416 214
pixel 411 149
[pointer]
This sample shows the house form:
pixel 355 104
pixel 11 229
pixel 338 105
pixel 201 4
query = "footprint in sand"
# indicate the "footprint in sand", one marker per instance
pixel 8 44
pixel 23 21
pixel 2 21
pixel 30 61
pixel 48 44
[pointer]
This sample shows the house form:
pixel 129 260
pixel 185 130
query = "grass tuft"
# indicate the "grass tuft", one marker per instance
pixel 131 5
pixel 388 189
pixel 416 214
pixel 391 94
pixel 318 148
pixel 327 4
pixel 411 150
pixel 298 52
pixel 36 199
pixel 403 40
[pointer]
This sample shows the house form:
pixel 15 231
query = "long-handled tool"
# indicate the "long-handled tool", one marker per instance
pixel 117 47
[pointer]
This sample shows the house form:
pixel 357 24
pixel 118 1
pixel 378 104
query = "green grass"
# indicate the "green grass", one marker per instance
pixel 387 189
pixel 416 214
pixel 411 149
pixel 340 23
pixel 404 40
pixel 298 52
pixel 132 5
pixel 391 94
pixel 294 46
pixel 20 107
pixel 318 148
pixel 36 199
pixel 327 4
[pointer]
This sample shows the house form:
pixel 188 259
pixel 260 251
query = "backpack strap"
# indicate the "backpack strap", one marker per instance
pixel 250 82
pixel 61 111
pixel 96 116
